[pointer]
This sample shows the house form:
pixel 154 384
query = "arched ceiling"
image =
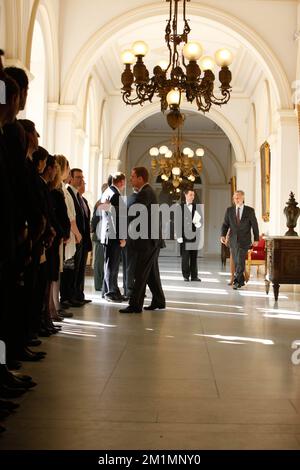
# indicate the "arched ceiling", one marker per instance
pixel 151 30
pixel 194 123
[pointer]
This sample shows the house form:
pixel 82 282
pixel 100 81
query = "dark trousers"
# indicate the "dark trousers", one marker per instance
pixel 98 266
pixel 131 260
pixel 147 272
pixel 189 265
pixel 71 279
pixel 66 284
pixel 79 287
pixel 239 257
pixel 112 253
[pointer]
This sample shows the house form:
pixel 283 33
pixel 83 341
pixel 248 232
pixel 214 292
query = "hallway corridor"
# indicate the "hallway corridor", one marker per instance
pixel 212 371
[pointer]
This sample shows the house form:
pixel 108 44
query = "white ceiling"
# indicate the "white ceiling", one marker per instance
pixel 245 69
pixel 194 123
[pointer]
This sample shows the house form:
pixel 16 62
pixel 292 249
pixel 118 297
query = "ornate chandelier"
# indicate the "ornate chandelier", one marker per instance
pixel 178 168
pixel 182 75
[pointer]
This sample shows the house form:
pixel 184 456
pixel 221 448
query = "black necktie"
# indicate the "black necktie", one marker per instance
pixel 238 217
pixel 80 200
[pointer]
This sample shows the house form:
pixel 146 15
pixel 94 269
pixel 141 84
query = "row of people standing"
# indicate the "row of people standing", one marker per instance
pixel 40 237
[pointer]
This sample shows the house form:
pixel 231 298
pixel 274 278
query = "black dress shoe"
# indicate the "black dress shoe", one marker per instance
pixel 38 353
pixel 13 364
pixel 196 279
pixel 87 301
pixel 34 342
pixel 12 381
pixel 236 285
pixel 7 392
pixel 25 378
pixel 29 357
pixel 8 405
pixel 65 314
pixel 155 307
pixel 186 279
pixel 44 333
pixel 4 414
pixel 130 309
pixel 113 298
pixel 76 303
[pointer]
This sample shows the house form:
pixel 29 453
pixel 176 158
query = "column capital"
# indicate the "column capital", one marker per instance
pixel 287 116
pixel 243 165
pixel 67 111
pixel 80 133
pixel 112 165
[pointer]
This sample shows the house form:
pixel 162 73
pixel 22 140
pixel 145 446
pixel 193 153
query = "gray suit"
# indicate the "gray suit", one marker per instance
pixel 240 237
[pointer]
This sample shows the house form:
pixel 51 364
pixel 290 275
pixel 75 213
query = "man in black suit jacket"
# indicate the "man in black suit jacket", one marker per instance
pixel 73 279
pixel 86 243
pixel 189 238
pixel 240 219
pixel 147 244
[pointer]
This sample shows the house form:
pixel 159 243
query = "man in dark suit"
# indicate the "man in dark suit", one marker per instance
pixel 113 241
pixel 189 237
pixel 145 236
pixel 86 242
pixel 240 219
pixel 71 280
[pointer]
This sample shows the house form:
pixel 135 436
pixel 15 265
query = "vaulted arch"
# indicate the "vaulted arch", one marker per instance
pixel 146 111
pixel 93 48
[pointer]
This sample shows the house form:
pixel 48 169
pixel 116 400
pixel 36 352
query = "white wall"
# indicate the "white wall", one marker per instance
pixel 2 25
pixel 218 199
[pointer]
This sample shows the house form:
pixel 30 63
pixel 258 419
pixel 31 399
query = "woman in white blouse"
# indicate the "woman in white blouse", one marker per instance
pixel 68 250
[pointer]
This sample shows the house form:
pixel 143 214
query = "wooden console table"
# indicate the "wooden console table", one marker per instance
pixel 282 262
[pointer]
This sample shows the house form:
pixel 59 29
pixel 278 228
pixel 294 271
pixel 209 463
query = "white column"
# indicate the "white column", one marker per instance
pixel 51 127
pixel 94 177
pixel 65 135
pixel 285 165
pixel 105 169
pixel 79 143
pixel 110 166
pixel 244 180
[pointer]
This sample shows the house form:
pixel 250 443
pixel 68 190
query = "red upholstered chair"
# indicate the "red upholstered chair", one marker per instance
pixel 256 255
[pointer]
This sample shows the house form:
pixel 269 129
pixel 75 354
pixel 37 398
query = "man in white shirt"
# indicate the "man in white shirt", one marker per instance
pixel 191 223
pixel 112 236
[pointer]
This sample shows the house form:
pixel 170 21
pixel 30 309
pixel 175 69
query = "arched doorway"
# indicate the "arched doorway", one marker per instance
pixel 37 94
pixel 213 190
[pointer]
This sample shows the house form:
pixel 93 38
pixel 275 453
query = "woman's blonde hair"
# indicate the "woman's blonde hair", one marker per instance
pixel 61 163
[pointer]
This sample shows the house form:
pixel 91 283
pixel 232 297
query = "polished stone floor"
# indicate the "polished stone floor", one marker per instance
pixel 212 371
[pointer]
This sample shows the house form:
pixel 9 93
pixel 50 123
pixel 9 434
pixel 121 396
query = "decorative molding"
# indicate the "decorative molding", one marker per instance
pixel 244 165
pixel 92 49
pixel 146 111
pixel 287 116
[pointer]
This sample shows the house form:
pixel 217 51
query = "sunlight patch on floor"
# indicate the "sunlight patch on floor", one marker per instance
pixel 238 338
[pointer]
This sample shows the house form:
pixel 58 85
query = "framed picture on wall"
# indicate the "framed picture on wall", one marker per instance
pixel 233 185
pixel 265 165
